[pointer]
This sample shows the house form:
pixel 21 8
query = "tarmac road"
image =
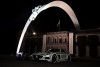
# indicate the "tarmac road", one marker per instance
pixel 76 62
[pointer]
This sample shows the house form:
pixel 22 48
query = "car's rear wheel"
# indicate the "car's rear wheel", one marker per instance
pixel 69 58
pixel 54 59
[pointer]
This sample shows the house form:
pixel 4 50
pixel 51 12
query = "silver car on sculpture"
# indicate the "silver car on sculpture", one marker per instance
pixel 52 55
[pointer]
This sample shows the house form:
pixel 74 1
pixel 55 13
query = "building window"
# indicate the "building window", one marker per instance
pixel 60 39
pixel 47 40
pixel 64 40
pixel 55 39
pixel 52 39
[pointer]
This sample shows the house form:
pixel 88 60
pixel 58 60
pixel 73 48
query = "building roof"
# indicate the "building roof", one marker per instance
pixel 59 32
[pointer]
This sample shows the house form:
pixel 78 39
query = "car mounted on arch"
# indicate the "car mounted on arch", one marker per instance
pixel 52 55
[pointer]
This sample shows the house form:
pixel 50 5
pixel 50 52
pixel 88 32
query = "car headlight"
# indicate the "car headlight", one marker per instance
pixel 47 55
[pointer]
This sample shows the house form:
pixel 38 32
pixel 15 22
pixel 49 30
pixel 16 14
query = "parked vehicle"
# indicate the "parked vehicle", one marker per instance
pixel 52 55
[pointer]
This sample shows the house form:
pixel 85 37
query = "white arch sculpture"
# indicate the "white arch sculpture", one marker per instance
pixel 40 8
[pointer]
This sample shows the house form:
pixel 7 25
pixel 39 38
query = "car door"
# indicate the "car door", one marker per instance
pixel 63 55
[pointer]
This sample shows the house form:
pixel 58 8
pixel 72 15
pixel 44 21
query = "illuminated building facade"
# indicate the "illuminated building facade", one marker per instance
pixel 58 40
pixel 84 43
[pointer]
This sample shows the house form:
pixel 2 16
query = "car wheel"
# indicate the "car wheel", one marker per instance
pixel 54 59
pixel 69 58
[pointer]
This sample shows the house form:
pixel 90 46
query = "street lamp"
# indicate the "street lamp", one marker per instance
pixel 34 33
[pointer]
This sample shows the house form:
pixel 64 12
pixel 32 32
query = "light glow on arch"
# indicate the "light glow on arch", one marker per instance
pixel 40 8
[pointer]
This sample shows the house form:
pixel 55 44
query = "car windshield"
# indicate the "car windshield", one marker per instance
pixel 53 50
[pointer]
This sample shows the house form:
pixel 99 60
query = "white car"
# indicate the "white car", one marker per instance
pixel 52 55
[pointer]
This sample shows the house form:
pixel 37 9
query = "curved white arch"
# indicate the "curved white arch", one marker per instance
pixel 40 8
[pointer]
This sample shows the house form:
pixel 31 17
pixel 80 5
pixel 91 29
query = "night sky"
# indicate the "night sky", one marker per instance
pixel 14 14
